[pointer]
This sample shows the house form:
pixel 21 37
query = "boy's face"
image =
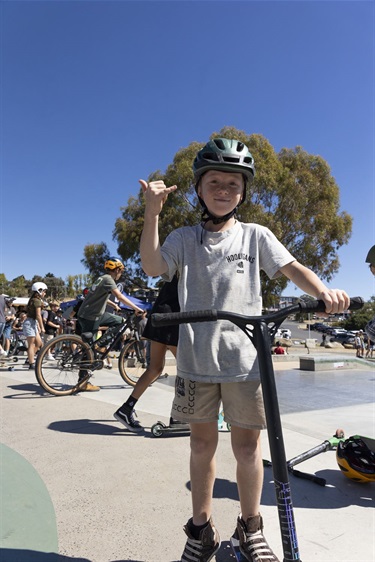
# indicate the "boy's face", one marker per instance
pixel 221 191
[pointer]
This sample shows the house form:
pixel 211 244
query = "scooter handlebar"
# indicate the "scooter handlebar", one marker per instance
pixel 176 318
pixel 318 306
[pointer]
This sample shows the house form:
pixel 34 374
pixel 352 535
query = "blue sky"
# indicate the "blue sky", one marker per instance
pixel 96 95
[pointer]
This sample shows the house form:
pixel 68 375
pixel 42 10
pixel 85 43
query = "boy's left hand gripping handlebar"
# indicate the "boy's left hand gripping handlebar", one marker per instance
pixel 173 318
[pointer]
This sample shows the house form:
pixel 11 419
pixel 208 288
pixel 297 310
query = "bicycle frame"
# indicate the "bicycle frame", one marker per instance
pixel 260 330
pixel 128 323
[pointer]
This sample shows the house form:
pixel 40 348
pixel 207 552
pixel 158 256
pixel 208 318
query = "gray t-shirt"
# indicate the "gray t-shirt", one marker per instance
pixel 93 307
pixel 220 270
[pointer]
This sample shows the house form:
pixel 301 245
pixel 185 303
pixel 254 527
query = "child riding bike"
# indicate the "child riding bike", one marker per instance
pixel 92 313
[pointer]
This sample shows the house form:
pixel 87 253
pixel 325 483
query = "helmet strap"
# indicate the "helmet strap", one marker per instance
pixel 207 216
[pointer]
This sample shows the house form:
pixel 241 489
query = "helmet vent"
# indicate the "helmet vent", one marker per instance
pixel 230 159
pixel 211 156
pixel 219 143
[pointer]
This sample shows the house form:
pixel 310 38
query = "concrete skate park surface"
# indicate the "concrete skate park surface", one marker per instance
pixel 77 486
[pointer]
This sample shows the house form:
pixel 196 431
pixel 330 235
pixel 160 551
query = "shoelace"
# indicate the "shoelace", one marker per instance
pixel 132 419
pixel 258 548
pixel 192 552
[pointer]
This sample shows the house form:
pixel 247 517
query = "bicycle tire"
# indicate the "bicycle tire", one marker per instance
pixel 60 375
pixel 131 362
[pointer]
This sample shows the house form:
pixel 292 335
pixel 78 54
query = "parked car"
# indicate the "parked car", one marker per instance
pixel 338 331
pixel 341 338
pixel 283 333
pixel 318 326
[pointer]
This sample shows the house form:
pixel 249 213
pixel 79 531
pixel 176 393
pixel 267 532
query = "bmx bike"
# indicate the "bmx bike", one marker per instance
pixel 261 331
pixel 75 358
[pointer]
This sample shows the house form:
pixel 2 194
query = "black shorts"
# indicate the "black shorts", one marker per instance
pixel 167 301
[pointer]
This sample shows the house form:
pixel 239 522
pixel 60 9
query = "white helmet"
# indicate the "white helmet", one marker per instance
pixel 39 287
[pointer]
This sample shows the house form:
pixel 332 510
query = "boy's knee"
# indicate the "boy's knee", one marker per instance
pixel 202 444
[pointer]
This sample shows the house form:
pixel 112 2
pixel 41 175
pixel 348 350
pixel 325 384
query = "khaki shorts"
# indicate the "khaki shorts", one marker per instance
pixel 199 402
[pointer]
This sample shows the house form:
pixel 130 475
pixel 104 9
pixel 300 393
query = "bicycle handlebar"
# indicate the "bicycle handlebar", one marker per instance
pixel 213 315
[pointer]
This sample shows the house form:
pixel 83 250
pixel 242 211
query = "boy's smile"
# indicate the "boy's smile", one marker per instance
pixel 221 191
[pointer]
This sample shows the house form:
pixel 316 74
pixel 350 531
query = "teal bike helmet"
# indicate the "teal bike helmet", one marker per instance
pixel 224 155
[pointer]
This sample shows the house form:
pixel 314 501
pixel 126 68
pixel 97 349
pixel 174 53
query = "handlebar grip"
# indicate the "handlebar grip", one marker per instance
pixel 356 303
pixel 173 318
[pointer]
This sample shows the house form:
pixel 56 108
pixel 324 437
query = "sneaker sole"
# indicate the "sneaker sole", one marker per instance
pixel 129 427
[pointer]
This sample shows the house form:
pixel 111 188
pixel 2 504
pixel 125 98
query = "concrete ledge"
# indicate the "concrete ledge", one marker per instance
pixel 327 362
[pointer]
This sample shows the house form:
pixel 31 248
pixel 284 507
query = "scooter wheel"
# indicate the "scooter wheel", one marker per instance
pixel 15 359
pixel 157 429
pixel 10 368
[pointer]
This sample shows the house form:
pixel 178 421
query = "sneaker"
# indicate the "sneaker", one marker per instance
pixel 88 387
pixel 3 353
pixel 50 357
pixel 31 365
pixel 127 417
pixel 203 549
pixel 250 540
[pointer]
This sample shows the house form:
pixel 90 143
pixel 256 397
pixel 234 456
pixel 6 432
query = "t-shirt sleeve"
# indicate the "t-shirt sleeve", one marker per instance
pixel 171 251
pixel 109 284
pixel 273 254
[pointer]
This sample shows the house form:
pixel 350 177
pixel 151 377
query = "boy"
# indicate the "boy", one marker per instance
pixel 218 263
pixel 91 314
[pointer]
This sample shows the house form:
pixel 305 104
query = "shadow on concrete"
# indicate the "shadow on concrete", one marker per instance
pixel 104 427
pixel 22 555
pixel 86 426
pixel 30 390
pixel 338 493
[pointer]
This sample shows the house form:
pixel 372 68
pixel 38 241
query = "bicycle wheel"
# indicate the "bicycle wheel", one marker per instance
pixel 131 362
pixel 59 376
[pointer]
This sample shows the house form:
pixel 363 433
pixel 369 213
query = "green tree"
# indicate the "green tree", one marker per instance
pixel 56 287
pixel 94 257
pixel 358 319
pixel 293 194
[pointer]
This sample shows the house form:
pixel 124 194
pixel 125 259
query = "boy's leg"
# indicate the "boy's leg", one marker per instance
pixel 203 539
pixel 247 452
pixel 203 444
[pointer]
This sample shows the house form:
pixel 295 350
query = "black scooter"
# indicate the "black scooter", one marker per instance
pixel 261 330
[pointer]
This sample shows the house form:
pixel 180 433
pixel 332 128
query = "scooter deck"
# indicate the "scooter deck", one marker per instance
pixel 159 429
pixel 235 544
pixel 8 362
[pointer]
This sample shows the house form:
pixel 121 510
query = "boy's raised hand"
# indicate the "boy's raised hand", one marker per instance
pixel 156 194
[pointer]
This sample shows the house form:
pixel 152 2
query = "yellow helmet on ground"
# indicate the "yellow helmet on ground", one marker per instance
pixel 356 458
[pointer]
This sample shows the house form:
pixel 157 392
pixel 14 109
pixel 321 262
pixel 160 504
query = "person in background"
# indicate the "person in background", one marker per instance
pixel 52 325
pixel 91 314
pixel 370 326
pixel 161 340
pixel 33 326
pixel 10 317
pixel 279 350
